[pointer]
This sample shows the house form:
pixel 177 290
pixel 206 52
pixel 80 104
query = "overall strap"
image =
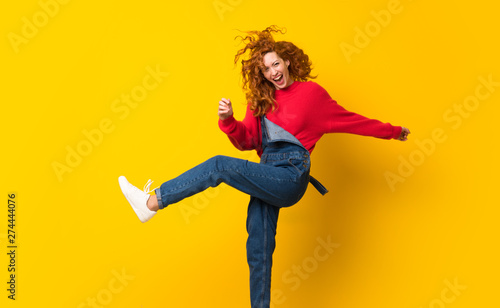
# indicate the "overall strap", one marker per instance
pixel 322 189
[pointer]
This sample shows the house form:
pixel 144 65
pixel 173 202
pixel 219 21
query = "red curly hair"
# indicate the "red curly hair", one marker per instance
pixel 260 91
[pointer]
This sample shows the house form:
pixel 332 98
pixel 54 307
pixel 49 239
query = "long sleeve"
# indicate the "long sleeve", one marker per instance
pixel 244 135
pixel 340 120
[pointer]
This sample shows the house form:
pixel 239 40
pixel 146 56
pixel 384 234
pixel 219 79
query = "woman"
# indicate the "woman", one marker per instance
pixel 286 115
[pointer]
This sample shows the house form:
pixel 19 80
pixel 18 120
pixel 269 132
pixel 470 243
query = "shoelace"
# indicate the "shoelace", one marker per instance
pixel 147 186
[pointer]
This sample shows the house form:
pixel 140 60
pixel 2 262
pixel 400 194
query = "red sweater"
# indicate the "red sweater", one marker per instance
pixel 307 111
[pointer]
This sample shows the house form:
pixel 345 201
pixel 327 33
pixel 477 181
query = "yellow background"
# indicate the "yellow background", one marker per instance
pixel 399 247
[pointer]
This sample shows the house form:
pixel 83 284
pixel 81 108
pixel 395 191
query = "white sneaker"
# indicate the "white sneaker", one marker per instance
pixel 137 198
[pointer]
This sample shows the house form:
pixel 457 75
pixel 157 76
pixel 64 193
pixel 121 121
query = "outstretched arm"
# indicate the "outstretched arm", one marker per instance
pixel 336 119
pixel 344 121
pixel 351 122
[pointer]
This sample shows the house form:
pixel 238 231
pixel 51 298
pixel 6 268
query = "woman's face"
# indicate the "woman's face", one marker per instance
pixel 276 70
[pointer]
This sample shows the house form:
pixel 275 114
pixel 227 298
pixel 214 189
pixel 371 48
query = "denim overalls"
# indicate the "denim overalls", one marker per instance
pixel 280 149
pixel 273 136
pixel 280 180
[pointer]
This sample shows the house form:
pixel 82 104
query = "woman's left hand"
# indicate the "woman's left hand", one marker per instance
pixel 404 134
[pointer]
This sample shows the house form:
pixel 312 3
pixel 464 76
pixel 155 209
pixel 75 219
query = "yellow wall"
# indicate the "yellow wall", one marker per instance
pixel 405 224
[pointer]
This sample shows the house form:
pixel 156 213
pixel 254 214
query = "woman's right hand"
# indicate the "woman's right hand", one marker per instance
pixel 225 109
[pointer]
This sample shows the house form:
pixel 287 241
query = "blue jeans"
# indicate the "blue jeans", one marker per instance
pixel 280 180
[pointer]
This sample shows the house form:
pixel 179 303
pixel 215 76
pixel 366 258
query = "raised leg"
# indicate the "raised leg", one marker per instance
pixel 281 186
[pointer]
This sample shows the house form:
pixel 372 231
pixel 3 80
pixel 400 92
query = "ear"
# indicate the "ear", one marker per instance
pixel 287 62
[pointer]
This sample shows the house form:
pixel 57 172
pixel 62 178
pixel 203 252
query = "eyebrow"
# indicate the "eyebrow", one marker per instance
pixel 271 63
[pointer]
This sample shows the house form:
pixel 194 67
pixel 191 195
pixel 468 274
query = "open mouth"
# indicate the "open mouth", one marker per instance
pixel 279 79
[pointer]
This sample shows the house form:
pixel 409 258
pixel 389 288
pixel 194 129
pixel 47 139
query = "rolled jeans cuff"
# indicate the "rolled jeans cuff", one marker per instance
pixel 158 197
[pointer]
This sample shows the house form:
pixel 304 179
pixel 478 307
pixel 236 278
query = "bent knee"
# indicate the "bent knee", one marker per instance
pixel 218 160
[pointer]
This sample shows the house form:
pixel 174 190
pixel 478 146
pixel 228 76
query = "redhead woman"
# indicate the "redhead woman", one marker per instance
pixel 286 115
